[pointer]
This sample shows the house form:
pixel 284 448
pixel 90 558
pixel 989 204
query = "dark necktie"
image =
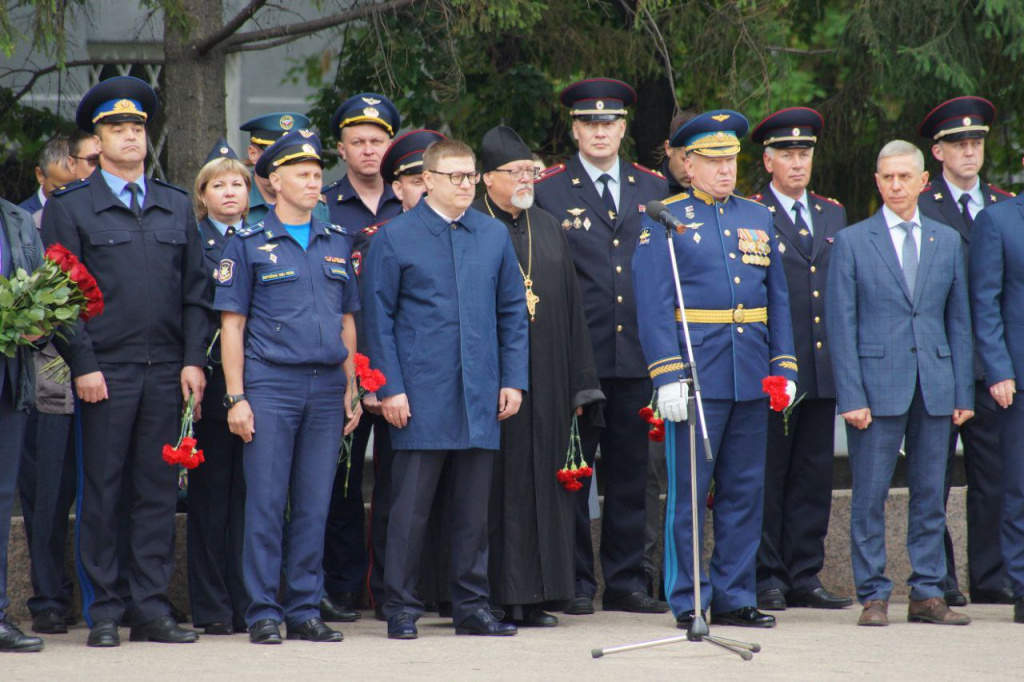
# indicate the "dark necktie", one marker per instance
pixel 965 201
pixel 606 194
pixel 135 190
pixel 909 256
pixel 803 229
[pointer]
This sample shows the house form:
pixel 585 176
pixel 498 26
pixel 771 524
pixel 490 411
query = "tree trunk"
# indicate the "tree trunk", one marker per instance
pixel 193 97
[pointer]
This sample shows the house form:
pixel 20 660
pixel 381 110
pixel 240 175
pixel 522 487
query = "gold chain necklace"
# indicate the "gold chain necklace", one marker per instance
pixel 532 299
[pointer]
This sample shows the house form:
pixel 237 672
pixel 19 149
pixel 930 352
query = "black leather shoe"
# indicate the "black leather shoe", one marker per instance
pixel 685 619
pixel 13 639
pixel 483 623
pixel 265 632
pixel 219 629
pixel 955 598
pixel 333 612
pixel 533 618
pixel 637 602
pixel 818 598
pixel 314 630
pixel 104 633
pixel 402 626
pixel 164 630
pixel 1018 611
pixel 771 599
pixel 747 617
pixel 1003 596
pixel 580 606
pixel 49 622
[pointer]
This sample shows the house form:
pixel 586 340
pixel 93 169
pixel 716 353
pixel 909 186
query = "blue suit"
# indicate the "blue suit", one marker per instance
pixel 906 356
pixel 729 265
pixel 997 292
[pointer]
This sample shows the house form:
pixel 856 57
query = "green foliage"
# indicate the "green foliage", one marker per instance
pixel 34 305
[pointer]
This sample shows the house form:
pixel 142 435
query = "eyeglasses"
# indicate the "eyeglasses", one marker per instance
pixel 520 173
pixel 92 159
pixel 457 177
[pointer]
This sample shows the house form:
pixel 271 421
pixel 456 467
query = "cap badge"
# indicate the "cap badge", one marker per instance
pixel 796 132
pixel 286 122
pixel 306 133
pixel 599 105
pixel 125 105
pixel 720 117
pixel 719 135
pixel 371 112
pixel 967 120
pixel 372 101
pixel 223 150
pixel 308 148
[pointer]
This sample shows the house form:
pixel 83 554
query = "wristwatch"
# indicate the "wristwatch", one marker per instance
pixel 230 400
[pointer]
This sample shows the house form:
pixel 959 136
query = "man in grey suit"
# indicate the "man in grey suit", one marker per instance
pixel 900 331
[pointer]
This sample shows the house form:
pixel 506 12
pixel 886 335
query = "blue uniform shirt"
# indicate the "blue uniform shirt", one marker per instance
pixel 729 263
pixel 117 186
pixel 294 299
pixel 349 211
pixel 259 208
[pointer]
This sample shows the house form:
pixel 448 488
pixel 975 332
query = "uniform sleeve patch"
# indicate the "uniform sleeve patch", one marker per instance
pixel 226 273
pixel 645 236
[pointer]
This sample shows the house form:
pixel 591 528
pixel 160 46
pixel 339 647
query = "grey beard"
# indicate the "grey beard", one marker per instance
pixel 522 201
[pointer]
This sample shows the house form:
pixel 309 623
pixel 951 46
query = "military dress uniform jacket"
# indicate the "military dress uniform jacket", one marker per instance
pixel 150 270
pixel 348 210
pixel 293 298
pixel 806 275
pixel 729 269
pixel 602 249
pixel 446 323
pixel 936 202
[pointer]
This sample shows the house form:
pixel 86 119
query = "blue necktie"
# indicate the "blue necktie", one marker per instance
pixel 803 229
pixel 606 195
pixel 134 190
pixel 909 256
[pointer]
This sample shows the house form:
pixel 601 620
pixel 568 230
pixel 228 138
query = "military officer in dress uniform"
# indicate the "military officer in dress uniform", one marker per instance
pixel 287 292
pixel 401 169
pixel 132 365
pixel 737 307
pixel 798 471
pixel 264 131
pixel 956 196
pixel 365 125
pixel 598 200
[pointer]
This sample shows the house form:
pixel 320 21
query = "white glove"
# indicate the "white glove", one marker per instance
pixel 791 391
pixel 672 401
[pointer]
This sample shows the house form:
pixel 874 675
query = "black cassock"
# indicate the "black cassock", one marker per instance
pixel 531 514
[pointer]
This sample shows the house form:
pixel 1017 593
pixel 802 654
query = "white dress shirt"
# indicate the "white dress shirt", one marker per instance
pixel 613 185
pixel 788 205
pixel 977 198
pixel 897 234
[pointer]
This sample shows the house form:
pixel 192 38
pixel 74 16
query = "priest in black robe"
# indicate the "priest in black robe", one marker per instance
pixel 531 514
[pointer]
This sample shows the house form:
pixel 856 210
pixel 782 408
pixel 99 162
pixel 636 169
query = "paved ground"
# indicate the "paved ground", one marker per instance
pixel 807 645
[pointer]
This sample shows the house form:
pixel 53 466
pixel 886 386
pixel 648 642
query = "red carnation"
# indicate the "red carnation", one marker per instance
pixel 584 472
pixel 657 434
pixel 659 423
pixel 361 362
pixel 646 413
pixel 372 380
pixel 775 387
pixel 171 455
pixel 573 486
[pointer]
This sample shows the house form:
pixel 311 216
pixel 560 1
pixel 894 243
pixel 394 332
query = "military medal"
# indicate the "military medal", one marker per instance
pixel 532 299
pixel 586 223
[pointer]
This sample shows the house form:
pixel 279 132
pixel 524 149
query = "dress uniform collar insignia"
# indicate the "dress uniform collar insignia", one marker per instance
pixel 631 179
pixel 938 196
pixel 992 198
pixel 211 242
pixel 817 207
pixel 772 209
pixel 340 197
pixel 782 248
pixel 575 182
pixel 703 196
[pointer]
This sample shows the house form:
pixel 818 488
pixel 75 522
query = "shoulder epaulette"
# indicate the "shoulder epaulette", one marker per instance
pixel 369 230
pixel 752 201
pixel 169 185
pixel 1000 190
pixel 551 172
pixel 926 188
pixel 829 199
pixel 647 170
pixel 332 185
pixel 759 198
pixel 337 228
pixel 70 187
pixel 250 230
pixel 678 197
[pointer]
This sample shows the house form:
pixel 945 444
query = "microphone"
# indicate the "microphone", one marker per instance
pixel 660 212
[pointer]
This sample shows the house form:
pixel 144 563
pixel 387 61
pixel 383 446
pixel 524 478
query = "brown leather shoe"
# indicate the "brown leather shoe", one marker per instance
pixel 935 610
pixel 875 613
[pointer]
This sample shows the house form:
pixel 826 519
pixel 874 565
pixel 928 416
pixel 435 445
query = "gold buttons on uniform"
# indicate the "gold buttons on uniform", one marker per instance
pixel 618 299
pixel 815 294
pixel 814 269
pixel 618 268
pixel 732 255
pixel 615 242
pixel 739 329
pixel 736 279
pixel 722 211
pixel 818 345
pixel 619 329
pixel 817 319
pixel 727 233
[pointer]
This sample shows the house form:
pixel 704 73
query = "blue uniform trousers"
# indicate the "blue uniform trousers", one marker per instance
pixel 873 455
pixel 12 425
pixel 216 521
pixel 623 472
pixel 737 431
pixel 121 437
pixel 1012 521
pixel 289 466
pixel 47 488
pixel 416 475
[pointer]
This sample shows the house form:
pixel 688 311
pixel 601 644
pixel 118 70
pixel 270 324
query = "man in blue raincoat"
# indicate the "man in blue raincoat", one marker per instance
pixel 445 312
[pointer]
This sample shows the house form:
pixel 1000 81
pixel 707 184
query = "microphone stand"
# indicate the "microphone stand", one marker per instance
pixel 698 630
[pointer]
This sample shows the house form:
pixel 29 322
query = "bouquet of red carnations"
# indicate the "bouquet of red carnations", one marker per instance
pixel 57 292
pixel 185 453
pixel 367 381
pixel 575 466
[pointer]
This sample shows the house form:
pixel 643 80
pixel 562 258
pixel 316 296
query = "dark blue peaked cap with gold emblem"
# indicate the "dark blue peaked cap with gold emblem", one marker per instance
pixel 793 127
pixel 267 129
pixel 296 146
pixel 405 155
pixel 958 119
pixel 598 99
pixel 221 150
pixel 713 133
pixel 367 107
pixel 116 100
